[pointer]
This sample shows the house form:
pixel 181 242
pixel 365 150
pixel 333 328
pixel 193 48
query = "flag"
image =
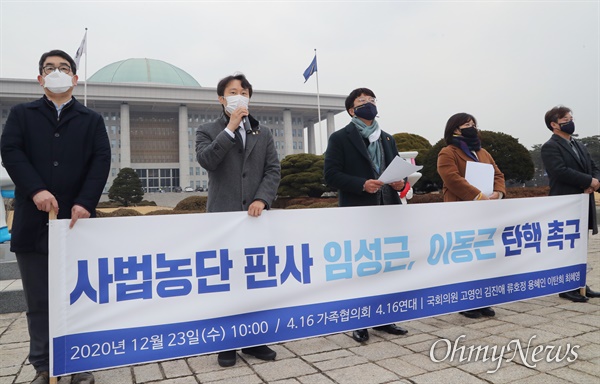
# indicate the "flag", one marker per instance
pixel 312 68
pixel 81 50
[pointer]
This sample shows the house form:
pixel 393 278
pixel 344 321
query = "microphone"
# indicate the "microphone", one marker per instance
pixel 247 126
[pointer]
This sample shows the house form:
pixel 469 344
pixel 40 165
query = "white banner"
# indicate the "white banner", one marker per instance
pixel 138 289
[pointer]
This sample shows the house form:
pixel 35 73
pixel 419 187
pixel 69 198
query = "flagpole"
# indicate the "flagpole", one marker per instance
pixel 319 104
pixel 85 74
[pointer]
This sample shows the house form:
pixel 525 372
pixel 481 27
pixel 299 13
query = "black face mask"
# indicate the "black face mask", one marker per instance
pixel 366 111
pixel 470 132
pixel 568 128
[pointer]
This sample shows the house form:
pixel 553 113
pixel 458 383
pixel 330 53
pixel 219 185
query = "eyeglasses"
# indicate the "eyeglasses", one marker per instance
pixel 364 100
pixel 63 68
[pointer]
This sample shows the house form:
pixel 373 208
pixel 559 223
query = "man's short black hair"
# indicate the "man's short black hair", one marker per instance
pixel 225 81
pixel 355 94
pixel 554 114
pixel 59 53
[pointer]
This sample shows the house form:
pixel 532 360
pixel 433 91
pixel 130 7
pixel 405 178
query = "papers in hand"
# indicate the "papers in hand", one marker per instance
pixel 481 176
pixel 397 170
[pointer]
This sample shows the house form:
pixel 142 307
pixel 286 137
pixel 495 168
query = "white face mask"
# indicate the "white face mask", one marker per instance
pixel 233 102
pixel 58 82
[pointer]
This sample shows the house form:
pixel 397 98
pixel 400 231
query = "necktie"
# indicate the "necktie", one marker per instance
pixel 574 148
pixel 238 137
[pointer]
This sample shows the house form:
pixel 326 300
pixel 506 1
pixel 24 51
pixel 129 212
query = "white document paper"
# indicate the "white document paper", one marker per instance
pixel 397 170
pixel 481 176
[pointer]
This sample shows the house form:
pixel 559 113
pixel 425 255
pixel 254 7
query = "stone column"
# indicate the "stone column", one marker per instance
pixel 125 137
pixel 287 132
pixel 330 123
pixel 310 137
pixel 184 150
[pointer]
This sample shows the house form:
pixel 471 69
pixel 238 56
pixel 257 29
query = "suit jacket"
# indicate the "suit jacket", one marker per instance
pixel 237 176
pixel 348 166
pixel 69 157
pixel 451 166
pixel 568 174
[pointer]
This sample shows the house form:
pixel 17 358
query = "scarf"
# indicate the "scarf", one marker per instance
pixel 468 145
pixel 372 133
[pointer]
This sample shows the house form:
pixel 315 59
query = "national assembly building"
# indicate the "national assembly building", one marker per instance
pixel 151 110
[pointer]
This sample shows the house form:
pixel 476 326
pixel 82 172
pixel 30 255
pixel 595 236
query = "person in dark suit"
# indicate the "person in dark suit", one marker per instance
pixel 571 171
pixel 356 156
pixel 243 168
pixel 58 155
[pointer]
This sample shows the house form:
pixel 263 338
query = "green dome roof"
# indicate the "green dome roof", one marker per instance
pixel 143 71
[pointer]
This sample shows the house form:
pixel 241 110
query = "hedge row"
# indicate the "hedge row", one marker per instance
pixel 197 204
pixel 192 204
pixel 116 204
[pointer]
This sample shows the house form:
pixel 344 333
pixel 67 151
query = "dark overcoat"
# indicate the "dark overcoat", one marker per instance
pixel 67 156
pixel 348 166
pixel 568 174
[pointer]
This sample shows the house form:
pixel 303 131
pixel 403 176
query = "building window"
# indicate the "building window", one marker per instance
pixel 299 145
pixel 154 138
pixel 191 171
pixel 295 145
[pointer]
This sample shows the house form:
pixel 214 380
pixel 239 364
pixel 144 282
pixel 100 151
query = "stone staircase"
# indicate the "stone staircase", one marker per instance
pixel 12 298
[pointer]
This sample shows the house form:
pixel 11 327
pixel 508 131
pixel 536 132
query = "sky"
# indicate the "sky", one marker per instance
pixel 504 62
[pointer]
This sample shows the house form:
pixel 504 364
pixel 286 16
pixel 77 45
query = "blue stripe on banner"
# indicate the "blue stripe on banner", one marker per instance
pixel 105 349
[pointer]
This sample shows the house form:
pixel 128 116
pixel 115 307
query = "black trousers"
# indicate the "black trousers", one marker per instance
pixel 34 275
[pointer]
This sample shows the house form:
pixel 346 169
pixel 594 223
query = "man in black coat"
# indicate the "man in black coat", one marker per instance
pixel 355 158
pixel 58 155
pixel 571 171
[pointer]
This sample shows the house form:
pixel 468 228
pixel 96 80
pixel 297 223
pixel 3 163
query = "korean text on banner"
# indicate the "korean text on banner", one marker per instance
pixel 187 286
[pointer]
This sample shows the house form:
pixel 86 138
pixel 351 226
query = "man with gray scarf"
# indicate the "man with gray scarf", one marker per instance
pixel 356 156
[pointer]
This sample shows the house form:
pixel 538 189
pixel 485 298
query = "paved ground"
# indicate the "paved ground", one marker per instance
pixel 384 358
